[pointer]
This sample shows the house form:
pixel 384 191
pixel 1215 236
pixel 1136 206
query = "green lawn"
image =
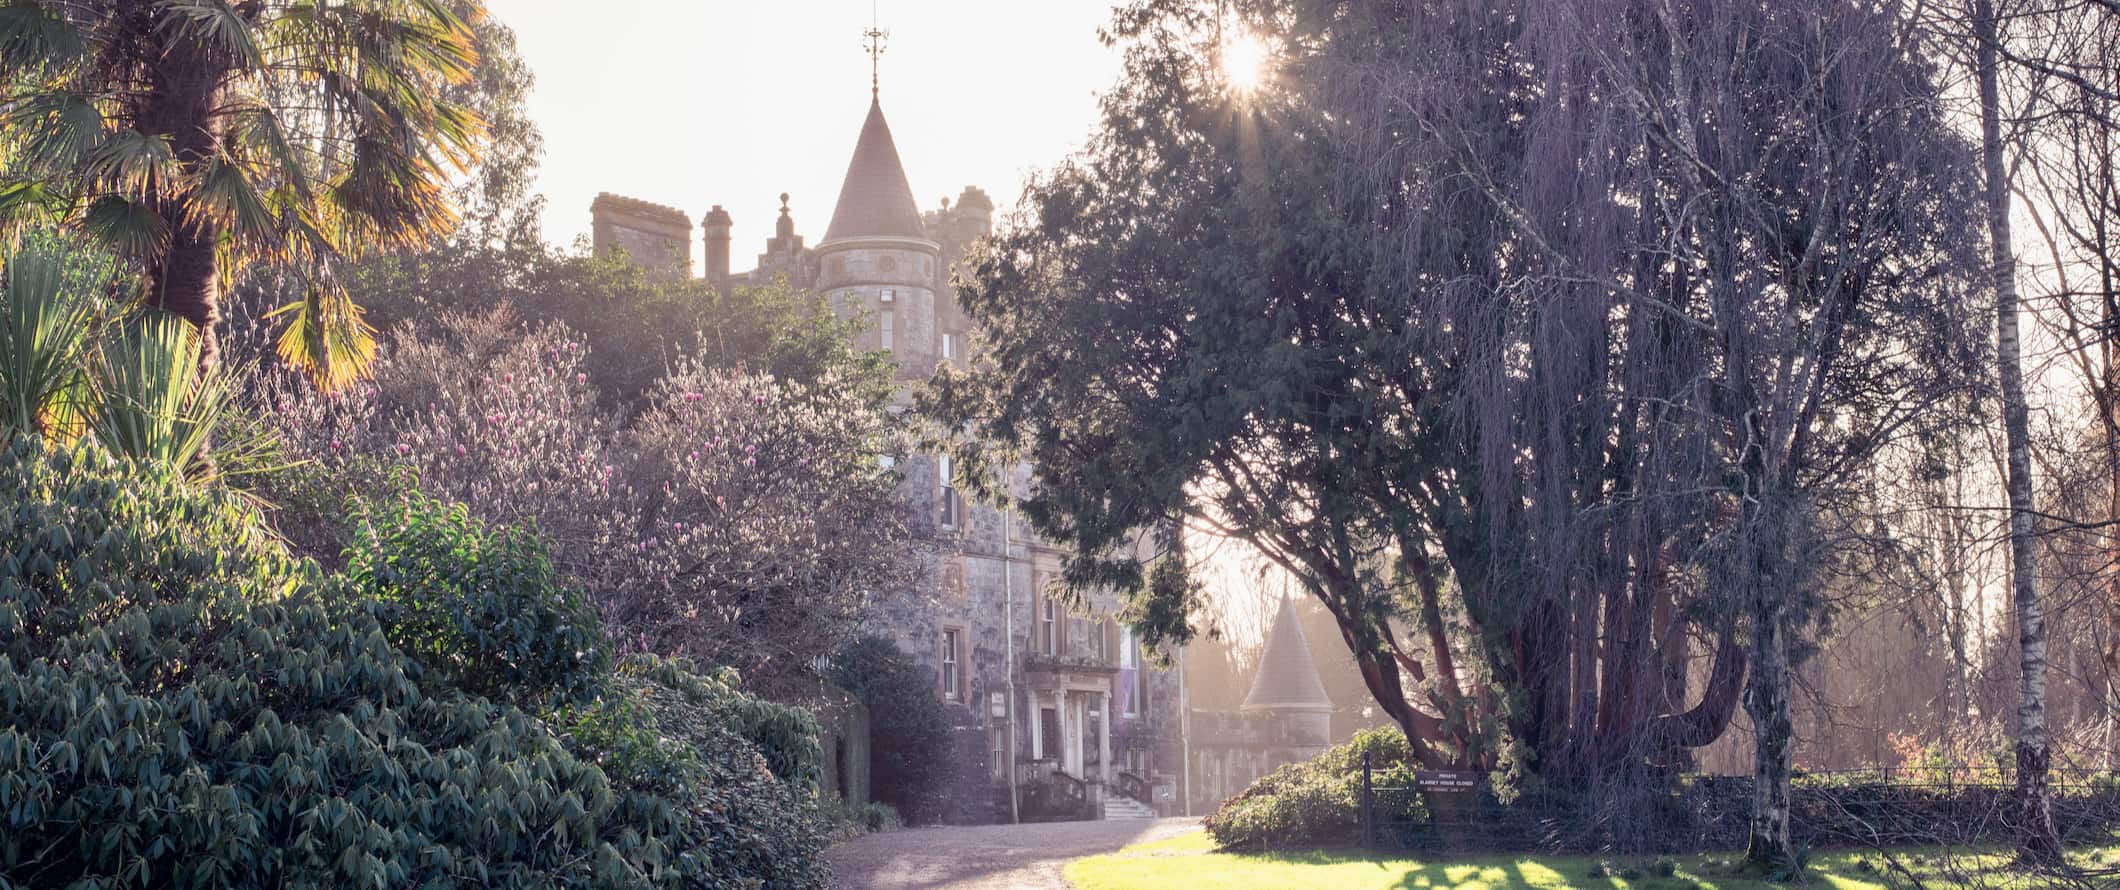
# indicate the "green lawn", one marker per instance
pixel 1190 861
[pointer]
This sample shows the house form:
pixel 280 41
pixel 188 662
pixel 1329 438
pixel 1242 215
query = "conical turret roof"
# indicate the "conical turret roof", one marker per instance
pixel 875 201
pixel 1287 679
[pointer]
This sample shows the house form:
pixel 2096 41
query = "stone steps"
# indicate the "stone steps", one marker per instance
pixel 1118 807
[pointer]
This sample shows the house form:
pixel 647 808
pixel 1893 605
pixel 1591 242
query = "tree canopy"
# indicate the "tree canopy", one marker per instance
pixel 198 139
pixel 1544 344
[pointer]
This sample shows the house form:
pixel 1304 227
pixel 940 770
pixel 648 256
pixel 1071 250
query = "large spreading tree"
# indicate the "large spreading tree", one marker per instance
pixel 1545 344
pixel 197 138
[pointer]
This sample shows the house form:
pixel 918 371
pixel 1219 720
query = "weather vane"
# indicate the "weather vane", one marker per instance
pixel 875 40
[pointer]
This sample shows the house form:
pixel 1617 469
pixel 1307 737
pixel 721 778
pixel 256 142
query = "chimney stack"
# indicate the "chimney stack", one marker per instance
pixel 715 228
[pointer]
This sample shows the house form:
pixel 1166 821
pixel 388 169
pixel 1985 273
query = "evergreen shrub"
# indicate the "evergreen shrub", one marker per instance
pixel 1309 803
pixel 910 735
pixel 484 607
pixel 670 732
pixel 183 705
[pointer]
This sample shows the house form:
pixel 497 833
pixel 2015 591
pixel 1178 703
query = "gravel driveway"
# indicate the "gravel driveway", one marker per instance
pixel 986 857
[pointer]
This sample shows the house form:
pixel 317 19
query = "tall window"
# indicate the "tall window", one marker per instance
pixel 1049 733
pixel 1139 701
pixel 1049 626
pixel 949 347
pixel 1130 657
pixel 886 328
pixel 946 490
pixel 952 664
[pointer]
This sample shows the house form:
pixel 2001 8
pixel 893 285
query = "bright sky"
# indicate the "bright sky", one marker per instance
pixel 693 103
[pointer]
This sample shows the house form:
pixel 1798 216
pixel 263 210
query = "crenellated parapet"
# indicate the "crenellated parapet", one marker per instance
pixel 656 237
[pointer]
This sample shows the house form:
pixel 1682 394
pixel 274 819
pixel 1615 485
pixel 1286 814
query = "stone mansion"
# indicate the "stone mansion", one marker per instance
pixel 1076 720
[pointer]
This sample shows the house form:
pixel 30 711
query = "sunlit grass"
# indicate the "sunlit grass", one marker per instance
pixel 1190 861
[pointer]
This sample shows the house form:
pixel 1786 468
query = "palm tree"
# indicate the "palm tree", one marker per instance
pixel 199 138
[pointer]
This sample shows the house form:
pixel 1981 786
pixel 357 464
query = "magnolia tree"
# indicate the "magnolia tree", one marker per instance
pixel 765 517
pixel 739 519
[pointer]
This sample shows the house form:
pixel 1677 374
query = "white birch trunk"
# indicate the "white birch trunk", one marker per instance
pixel 2037 827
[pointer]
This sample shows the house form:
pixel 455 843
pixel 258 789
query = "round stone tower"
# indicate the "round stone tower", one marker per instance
pixel 877 260
pixel 1287 687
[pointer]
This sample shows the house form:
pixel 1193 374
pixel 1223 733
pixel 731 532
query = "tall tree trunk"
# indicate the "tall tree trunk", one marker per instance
pixel 186 283
pixel 2109 413
pixel 1764 549
pixel 2037 839
pixel 183 106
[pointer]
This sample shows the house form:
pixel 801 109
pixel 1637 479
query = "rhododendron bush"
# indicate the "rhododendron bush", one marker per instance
pixel 734 517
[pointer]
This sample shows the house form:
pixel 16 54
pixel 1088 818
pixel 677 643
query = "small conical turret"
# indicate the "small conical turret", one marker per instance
pixel 1287 679
pixel 875 200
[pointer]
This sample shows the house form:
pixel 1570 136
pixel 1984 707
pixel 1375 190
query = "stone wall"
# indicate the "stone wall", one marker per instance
pixel 1232 749
pixel 859 274
pixel 657 238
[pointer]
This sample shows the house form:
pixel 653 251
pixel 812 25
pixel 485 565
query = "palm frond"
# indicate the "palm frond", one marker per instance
pixel 257 129
pixel 388 198
pixel 53 129
pixel 326 338
pixel 28 204
pixel 225 196
pixel 128 227
pixel 131 162
pixel 34 37
pixel 152 402
pixel 43 335
pixel 215 23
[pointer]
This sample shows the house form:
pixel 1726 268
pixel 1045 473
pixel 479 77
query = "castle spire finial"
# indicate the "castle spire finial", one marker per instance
pixel 876 40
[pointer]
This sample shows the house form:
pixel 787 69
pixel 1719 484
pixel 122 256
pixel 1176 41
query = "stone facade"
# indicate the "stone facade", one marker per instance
pixel 1062 703
pixel 658 238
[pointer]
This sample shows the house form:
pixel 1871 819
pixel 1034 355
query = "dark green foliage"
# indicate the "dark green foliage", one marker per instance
pixel 314 506
pixel 179 706
pixel 910 747
pixel 695 740
pixel 693 703
pixel 1311 803
pixel 876 816
pixel 482 606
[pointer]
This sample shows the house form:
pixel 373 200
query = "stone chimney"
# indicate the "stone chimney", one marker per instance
pixel 714 239
pixel 975 214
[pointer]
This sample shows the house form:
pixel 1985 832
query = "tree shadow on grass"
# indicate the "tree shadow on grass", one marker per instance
pixel 1527 875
